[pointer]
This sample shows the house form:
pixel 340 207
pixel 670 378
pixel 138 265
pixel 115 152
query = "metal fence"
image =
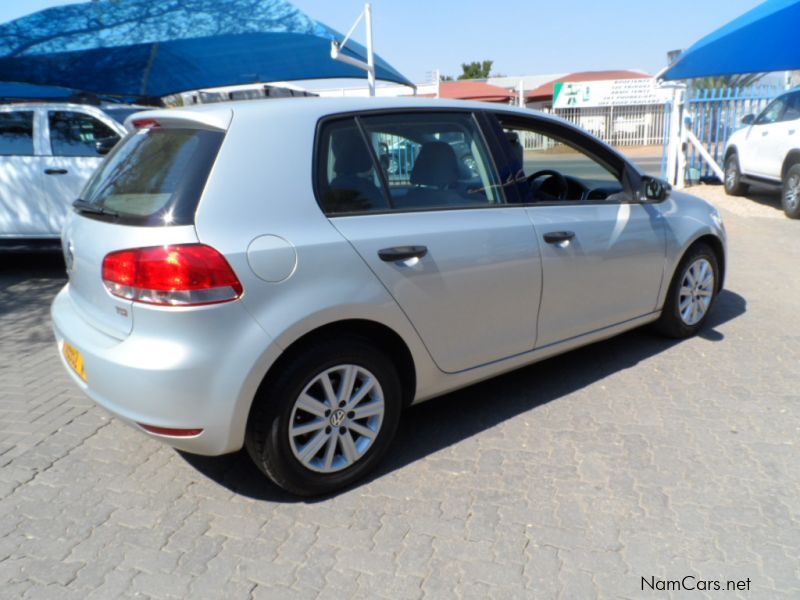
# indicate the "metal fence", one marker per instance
pixel 714 115
pixel 638 125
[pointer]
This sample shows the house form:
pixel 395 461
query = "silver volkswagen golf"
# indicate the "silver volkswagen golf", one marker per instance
pixel 288 275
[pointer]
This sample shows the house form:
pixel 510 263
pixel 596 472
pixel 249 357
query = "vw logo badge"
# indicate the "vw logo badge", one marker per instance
pixel 337 418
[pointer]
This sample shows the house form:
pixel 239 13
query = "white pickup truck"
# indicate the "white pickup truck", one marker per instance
pixel 767 152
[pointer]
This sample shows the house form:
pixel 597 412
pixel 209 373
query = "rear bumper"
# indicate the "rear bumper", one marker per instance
pixel 192 368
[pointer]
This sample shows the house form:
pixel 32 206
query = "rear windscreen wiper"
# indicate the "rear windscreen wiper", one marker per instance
pixel 87 207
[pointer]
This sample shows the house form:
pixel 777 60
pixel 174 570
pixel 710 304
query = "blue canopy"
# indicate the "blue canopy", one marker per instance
pixel 27 91
pixel 761 40
pixel 159 47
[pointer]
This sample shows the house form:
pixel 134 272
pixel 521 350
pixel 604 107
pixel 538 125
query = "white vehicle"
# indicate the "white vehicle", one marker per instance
pixel 767 152
pixel 47 153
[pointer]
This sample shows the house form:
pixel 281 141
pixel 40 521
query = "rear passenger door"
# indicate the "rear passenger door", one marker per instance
pixel 23 212
pixel 417 195
pixel 71 158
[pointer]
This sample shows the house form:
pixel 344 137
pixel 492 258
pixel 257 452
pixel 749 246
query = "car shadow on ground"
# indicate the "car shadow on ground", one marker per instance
pixel 467 412
pixel 769 197
pixel 28 283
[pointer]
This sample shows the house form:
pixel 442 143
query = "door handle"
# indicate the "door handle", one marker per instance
pixel 791 132
pixel 556 237
pixel 398 253
pixel 763 133
pixel 55 171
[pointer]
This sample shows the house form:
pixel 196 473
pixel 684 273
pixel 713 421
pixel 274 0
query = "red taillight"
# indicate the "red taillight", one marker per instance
pixel 171 431
pixel 145 123
pixel 179 275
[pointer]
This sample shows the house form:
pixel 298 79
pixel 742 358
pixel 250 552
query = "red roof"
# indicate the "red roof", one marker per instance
pixel 545 92
pixel 472 90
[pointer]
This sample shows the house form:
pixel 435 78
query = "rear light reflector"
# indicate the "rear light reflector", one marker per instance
pixel 177 275
pixel 170 431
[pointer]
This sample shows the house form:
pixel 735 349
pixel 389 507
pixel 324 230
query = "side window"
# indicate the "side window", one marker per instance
pixel 792 111
pixel 548 168
pixel 773 112
pixel 76 134
pixel 16 133
pixel 433 160
pixel 347 180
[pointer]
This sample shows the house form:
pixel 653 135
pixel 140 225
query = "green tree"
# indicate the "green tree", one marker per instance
pixel 445 78
pixel 727 81
pixel 476 70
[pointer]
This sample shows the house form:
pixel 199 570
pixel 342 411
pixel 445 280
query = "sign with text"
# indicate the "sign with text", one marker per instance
pixel 614 92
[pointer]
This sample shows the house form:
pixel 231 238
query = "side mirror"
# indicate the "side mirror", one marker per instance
pixel 748 119
pixel 654 189
pixel 104 145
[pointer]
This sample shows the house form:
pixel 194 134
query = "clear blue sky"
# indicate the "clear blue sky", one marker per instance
pixel 521 36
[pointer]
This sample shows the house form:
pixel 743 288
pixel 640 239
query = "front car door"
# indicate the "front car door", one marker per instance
pixel 784 137
pixel 461 263
pixel 72 157
pixel 602 252
pixel 765 140
pixel 23 212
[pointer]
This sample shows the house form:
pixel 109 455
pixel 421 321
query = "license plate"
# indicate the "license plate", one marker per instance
pixel 74 359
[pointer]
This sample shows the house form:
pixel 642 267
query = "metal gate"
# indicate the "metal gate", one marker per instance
pixel 637 125
pixel 714 114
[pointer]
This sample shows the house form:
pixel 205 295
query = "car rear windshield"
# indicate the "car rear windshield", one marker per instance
pixel 153 177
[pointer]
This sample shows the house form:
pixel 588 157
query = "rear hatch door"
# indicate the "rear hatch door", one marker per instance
pixel 145 193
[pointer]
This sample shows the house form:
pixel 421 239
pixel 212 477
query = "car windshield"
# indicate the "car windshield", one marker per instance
pixel 154 176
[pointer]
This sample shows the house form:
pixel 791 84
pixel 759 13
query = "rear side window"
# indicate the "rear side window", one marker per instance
pixel 155 176
pixel 16 133
pixel 404 161
pixel 76 134
pixel 348 180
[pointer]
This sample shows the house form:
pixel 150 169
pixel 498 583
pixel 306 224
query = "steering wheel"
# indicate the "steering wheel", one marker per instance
pixel 560 179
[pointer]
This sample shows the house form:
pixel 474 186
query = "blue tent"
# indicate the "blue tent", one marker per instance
pixel 27 91
pixel 761 40
pixel 158 47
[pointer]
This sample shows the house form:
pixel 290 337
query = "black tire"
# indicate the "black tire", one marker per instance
pixel 733 177
pixel 790 194
pixel 267 437
pixel 671 323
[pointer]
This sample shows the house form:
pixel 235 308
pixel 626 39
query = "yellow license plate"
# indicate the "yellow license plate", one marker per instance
pixel 74 359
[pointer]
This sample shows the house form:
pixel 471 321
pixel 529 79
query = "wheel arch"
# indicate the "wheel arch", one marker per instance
pixel 383 336
pixel 728 152
pixel 716 246
pixel 792 158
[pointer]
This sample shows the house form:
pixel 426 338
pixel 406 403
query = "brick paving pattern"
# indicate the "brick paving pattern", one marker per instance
pixel 573 478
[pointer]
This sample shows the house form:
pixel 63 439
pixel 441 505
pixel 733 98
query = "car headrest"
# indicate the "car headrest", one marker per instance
pixel 436 165
pixel 351 155
pixel 517 151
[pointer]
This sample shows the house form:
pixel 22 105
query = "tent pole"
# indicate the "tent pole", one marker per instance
pixel 369 66
pixel 674 151
pixel 370 54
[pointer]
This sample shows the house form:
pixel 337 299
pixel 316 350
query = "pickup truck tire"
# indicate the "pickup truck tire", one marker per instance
pixel 790 195
pixel 733 177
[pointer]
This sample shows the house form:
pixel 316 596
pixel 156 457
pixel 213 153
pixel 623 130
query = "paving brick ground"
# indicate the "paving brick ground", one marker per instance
pixel 636 457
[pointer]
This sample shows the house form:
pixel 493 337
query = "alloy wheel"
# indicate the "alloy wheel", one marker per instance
pixel 791 196
pixel 696 291
pixel 336 418
pixel 731 175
